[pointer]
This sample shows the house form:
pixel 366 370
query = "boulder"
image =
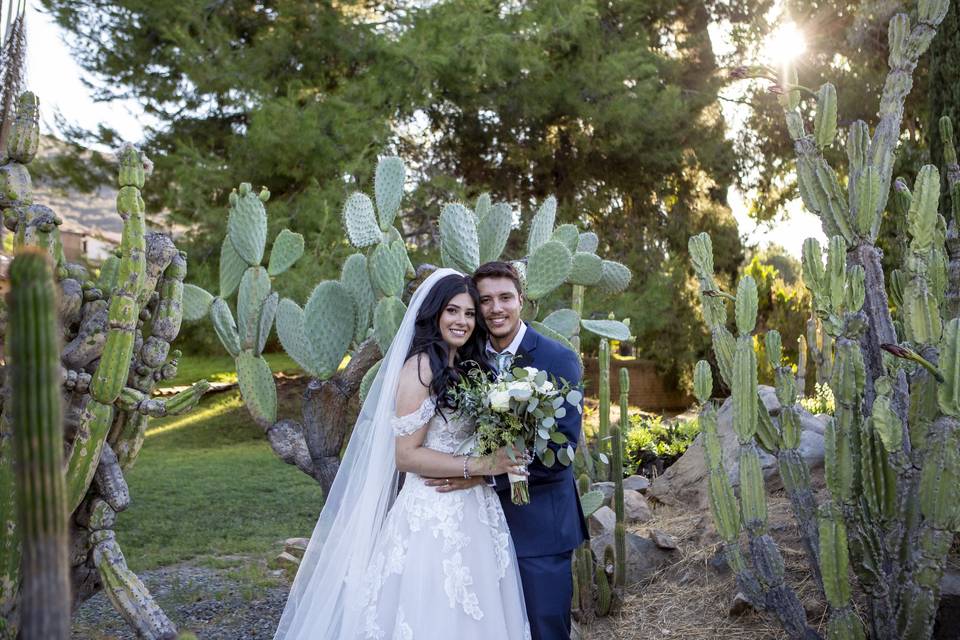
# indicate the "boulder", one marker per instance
pixel 636 483
pixel 607 489
pixel 947 626
pixel 663 540
pixel 684 482
pixel 285 561
pixel 296 546
pixel 603 520
pixel 635 508
pixel 644 558
pixel 740 606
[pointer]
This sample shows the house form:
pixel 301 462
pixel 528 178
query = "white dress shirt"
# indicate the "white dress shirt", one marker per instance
pixel 514 345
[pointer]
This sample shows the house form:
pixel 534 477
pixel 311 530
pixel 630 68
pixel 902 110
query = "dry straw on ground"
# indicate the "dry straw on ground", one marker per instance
pixel 691 600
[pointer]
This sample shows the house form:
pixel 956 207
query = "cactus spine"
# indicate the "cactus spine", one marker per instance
pixel 892 448
pixel 38 438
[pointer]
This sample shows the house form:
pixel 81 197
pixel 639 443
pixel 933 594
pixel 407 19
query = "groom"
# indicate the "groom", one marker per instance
pixel 546 531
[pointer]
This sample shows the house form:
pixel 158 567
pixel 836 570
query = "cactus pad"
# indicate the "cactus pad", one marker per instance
pixel 587 269
pixel 254 289
pixel 588 242
pixel 615 277
pixel 387 317
pixel 293 338
pixel 567 235
pixel 564 321
pixel 287 249
pixel 196 302
pixel 611 329
pixel 225 326
pixel 247 225
pixel 257 387
pixel 386 268
pixel 388 189
pixel 541 226
pixel 458 234
pixel 547 269
pixel 494 231
pixel 360 222
pixel 356 280
pixel 232 267
pixel 329 321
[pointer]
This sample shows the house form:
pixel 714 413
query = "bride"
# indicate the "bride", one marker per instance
pixel 421 564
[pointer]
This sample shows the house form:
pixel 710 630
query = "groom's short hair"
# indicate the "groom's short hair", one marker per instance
pixel 498 269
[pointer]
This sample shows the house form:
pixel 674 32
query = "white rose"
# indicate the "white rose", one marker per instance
pixel 522 390
pixel 499 400
pixel 532 371
pixel 546 387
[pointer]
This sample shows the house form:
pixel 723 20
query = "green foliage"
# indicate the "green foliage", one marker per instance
pixel 820 402
pixel 652 443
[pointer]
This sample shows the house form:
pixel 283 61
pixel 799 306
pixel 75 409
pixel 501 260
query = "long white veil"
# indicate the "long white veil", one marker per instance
pixel 322 604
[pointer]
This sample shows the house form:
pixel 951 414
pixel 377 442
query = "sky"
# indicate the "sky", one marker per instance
pixel 54 76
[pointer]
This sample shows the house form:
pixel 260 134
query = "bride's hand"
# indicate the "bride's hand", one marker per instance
pixel 500 462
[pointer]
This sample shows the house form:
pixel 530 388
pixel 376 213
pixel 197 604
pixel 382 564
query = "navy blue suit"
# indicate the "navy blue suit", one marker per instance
pixel 546 531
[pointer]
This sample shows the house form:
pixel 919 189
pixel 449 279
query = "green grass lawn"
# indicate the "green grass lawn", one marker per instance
pixel 221 368
pixel 208 483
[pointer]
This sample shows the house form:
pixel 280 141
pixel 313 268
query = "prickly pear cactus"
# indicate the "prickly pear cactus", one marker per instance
pixel 893 447
pixel 117 330
pixel 355 318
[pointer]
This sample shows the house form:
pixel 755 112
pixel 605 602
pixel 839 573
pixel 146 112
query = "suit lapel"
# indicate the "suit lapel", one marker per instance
pixel 525 356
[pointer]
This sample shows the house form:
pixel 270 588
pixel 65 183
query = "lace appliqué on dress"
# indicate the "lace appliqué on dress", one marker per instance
pixel 410 423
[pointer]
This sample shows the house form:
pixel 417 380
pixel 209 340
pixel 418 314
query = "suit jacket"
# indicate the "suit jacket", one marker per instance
pixel 553 522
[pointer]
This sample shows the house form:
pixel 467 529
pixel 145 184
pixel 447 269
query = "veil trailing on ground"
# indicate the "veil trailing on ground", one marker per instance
pixel 323 601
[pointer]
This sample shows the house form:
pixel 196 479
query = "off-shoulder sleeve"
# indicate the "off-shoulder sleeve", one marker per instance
pixel 405 425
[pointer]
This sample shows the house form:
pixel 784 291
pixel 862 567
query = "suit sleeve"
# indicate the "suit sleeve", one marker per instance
pixel 565 367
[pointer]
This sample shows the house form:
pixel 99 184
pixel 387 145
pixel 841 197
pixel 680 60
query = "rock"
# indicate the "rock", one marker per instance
pixel 636 483
pixel 644 558
pixel 684 483
pixel 718 562
pixel 285 560
pixel 947 626
pixel 740 605
pixel 635 508
pixel 296 546
pixel 607 489
pixel 602 521
pixel 663 540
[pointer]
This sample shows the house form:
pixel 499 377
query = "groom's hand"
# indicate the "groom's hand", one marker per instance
pixel 446 485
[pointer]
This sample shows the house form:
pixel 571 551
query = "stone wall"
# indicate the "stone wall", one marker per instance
pixel 647 389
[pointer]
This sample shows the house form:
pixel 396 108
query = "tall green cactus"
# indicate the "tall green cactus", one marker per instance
pixel 893 446
pixel 603 430
pixel 37 425
pixel 118 329
pixel 616 438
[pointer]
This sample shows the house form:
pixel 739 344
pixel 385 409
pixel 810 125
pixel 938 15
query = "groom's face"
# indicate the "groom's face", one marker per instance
pixel 500 304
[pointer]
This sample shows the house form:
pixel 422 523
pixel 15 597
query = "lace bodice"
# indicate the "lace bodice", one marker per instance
pixel 446 432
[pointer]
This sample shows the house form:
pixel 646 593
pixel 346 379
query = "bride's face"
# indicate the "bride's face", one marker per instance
pixel 457 320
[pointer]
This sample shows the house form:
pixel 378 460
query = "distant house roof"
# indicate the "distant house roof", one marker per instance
pixel 87 214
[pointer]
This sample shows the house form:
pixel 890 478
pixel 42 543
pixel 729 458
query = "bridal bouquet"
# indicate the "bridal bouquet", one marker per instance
pixel 518 410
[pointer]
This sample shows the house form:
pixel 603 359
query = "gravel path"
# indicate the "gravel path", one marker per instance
pixel 241 601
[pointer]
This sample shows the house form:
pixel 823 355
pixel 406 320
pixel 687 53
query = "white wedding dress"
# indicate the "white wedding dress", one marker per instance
pixel 418 565
pixel 444 565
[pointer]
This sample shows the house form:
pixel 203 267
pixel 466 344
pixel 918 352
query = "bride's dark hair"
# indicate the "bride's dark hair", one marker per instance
pixel 428 340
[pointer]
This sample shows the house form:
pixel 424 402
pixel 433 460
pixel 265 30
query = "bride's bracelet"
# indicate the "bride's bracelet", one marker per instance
pixel 466 474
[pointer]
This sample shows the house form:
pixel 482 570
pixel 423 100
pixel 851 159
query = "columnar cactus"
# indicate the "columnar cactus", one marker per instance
pixel 603 432
pixel 893 446
pixel 118 329
pixel 358 315
pixel 38 438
